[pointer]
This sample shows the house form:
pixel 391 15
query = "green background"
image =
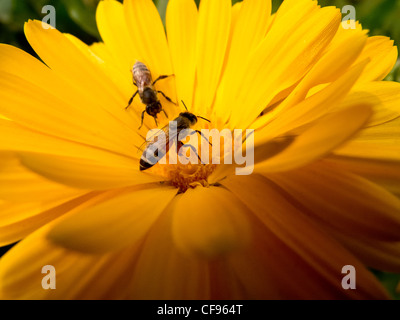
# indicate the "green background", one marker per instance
pixel 381 17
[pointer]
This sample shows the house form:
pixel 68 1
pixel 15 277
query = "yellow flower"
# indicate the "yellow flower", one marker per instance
pixel 324 190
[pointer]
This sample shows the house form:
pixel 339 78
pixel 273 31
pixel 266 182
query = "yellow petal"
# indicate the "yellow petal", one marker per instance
pixel 333 66
pixel 114 32
pixel 87 173
pixel 123 220
pixel 249 28
pixel 343 201
pixel 385 173
pixel 275 63
pixel 162 272
pixel 102 169
pixel 212 39
pixel 297 247
pixel 36 110
pixel 14 137
pixel 312 108
pixel 120 75
pixel 383 55
pixel 77 68
pixel 17 220
pixel 209 228
pixel 42 96
pixel 17 184
pixel 384 96
pixel 181 23
pixel 378 142
pixel 318 140
pixel 148 36
pixel 267 150
pixel 78 276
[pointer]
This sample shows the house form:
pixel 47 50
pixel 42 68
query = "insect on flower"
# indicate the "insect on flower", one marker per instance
pixel 157 148
pixel 143 80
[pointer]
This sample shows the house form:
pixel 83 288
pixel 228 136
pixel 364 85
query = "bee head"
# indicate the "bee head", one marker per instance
pixel 190 116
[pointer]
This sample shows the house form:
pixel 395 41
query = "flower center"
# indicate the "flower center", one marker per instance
pixel 185 176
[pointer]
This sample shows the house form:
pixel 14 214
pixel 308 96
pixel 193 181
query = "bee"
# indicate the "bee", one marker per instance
pixel 157 148
pixel 143 80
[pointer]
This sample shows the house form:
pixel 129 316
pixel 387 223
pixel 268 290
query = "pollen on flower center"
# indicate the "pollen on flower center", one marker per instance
pixel 185 176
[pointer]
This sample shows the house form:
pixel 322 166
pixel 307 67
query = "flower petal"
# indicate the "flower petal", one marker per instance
pixel 81 71
pixel 311 109
pixel 309 254
pixel 248 29
pixel 344 201
pixel 148 36
pixel 318 140
pixel 18 184
pixel 275 63
pixel 181 22
pixel 87 173
pixel 78 276
pixel 18 220
pixel 209 222
pixel 162 272
pixel 380 255
pixel 14 137
pixel 85 167
pixel 48 103
pixel 385 173
pixel 377 142
pixel 334 66
pixel 114 32
pixel 384 96
pixel 123 220
pixel 212 39
pixel 383 55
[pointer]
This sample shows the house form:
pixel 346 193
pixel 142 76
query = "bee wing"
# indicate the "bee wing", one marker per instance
pixel 154 138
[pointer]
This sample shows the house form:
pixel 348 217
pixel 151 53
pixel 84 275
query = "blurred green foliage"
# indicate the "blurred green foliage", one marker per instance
pixel 72 16
pixel 381 17
pixel 390 281
pixel 78 16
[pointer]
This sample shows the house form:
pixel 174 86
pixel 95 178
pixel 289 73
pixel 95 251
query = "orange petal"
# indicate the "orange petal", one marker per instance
pixel 133 214
pixel 301 254
pixel 209 222
pixel 344 201
pixel 319 139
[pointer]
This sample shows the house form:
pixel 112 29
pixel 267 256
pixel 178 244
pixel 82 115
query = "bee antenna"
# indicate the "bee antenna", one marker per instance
pixel 204 119
pixel 184 105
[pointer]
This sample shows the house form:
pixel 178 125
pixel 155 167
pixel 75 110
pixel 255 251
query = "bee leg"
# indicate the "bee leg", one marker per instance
pixel 131 100
pixel 169 99
pixel 155 119
pixel 141 125
pixel 161 78
pixel 165 113
pixel 200 133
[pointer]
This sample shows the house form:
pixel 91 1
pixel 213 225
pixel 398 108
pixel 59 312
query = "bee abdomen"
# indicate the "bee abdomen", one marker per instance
pixel 144 165
pixel 141 74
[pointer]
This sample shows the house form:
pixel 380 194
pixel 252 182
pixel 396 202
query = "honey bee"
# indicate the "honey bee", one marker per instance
pixel 157 148
pixel 143 80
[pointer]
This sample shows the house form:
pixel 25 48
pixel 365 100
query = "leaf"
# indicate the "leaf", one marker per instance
pixel 5 11
pixel 83 14
pixel 390 281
